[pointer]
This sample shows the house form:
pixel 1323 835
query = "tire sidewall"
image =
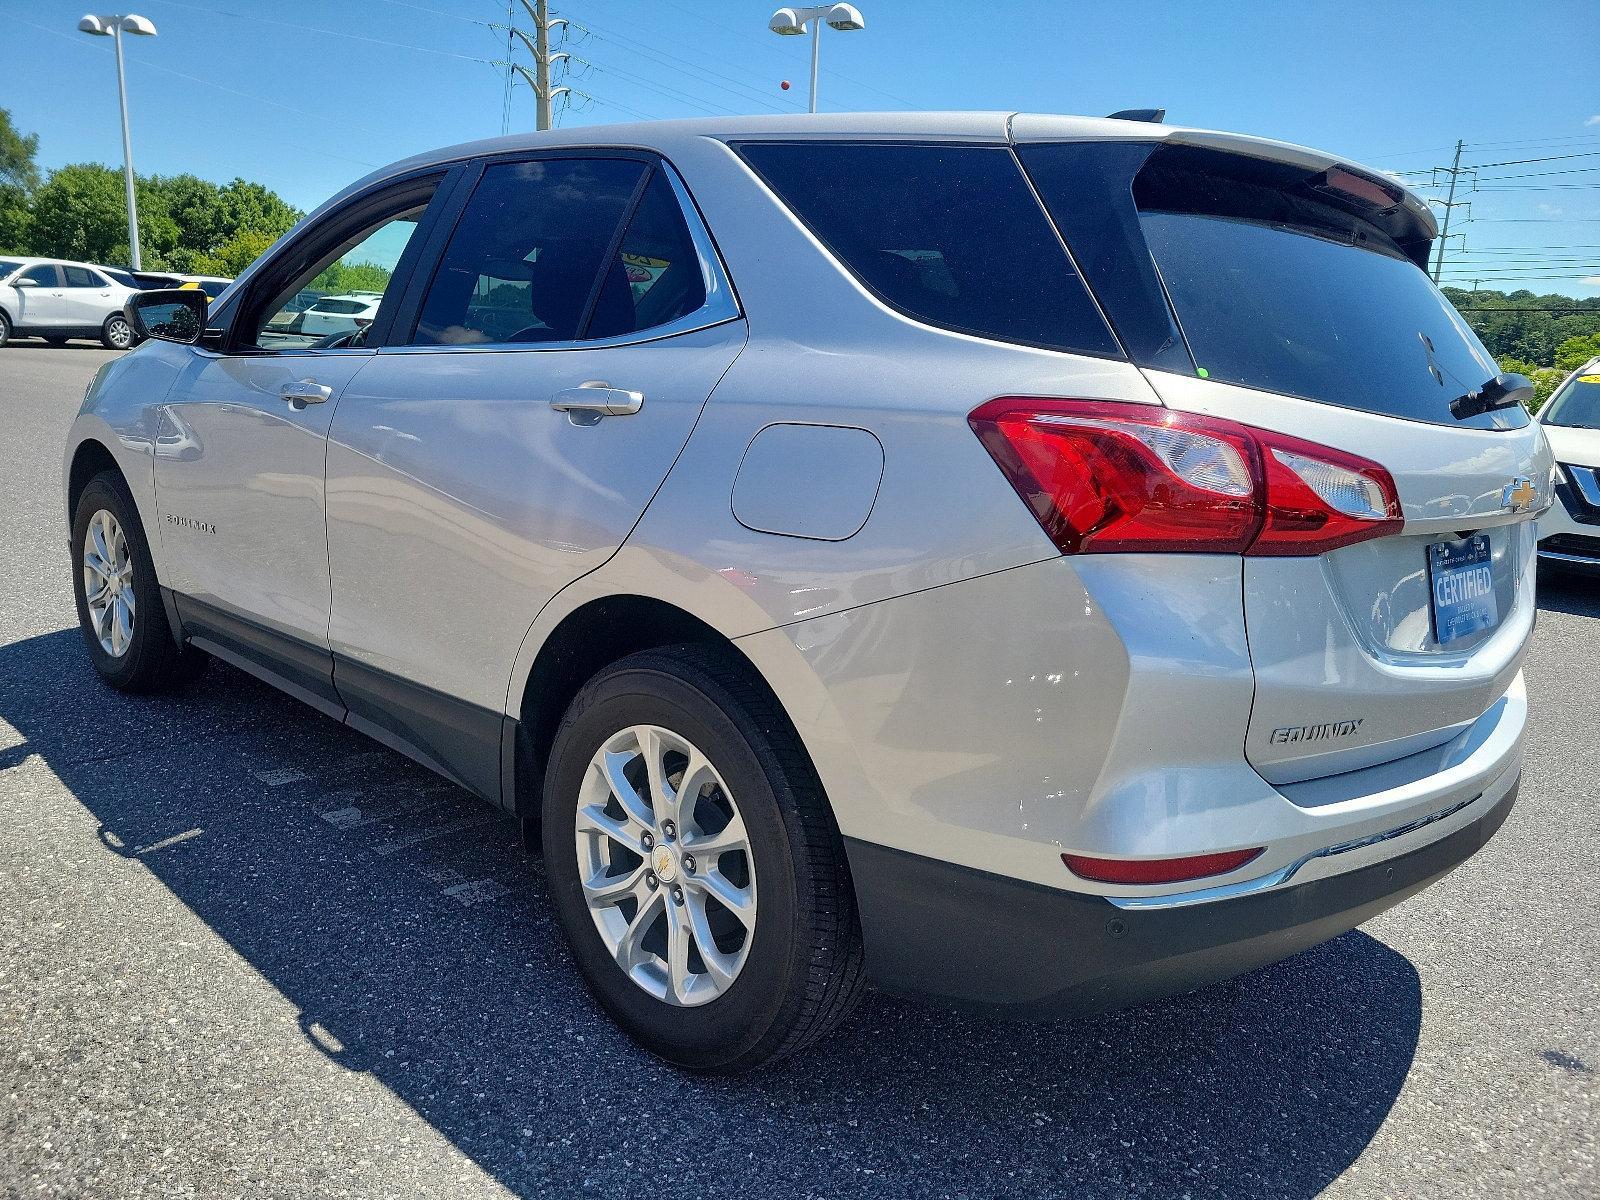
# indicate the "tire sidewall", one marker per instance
pixel 711 1035
pixel 5 329
pixel 151 638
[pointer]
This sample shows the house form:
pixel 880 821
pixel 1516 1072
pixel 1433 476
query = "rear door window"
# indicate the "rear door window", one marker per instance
pixel 526 255
pixel 951 235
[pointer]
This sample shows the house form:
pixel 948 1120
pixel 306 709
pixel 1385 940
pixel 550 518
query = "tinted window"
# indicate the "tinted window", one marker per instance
pixel 123 278
pixel 526 255
pixel 1307 314
pixel 1577 404
pixel 7 266
pixel 654 277
pixel 78 277
pixel 43 274
pixel 951 235
pixel 214 287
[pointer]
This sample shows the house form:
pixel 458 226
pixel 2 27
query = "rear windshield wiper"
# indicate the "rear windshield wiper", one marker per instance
pixel 1500 392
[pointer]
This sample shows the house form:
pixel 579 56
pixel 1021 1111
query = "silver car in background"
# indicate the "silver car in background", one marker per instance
pixel 1035 563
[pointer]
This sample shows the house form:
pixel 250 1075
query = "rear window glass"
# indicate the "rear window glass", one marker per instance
pixel 1577 404
pixel 1299 312
pixel 341 306
pixel 950 235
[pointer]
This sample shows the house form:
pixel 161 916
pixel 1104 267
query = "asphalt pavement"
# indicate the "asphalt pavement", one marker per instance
pixel 246 952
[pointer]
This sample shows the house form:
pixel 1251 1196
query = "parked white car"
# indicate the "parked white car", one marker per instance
pixel 341 314
pixel 56 300
pixel 1569 534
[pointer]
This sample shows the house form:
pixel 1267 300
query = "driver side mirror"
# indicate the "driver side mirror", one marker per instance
pixel 170 314
pixel 26 283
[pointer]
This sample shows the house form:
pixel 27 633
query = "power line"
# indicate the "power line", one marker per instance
pixel 354 37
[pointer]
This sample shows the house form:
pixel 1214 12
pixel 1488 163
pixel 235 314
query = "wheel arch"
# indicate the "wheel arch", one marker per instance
pixel 91 457
pixel 583 643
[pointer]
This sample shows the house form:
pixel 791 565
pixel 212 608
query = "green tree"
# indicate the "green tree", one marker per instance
pixel 19 175
pixel 235 254
pixel 80 212
pixel 1576 351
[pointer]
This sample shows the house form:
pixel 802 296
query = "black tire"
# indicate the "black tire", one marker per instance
pixel 117 333
pixel 803 974
pixel 153 660
pixel 5 329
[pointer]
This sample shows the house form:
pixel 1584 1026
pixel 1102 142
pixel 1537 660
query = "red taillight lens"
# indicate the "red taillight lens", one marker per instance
pixel 1158 870
pixel 1106 477
pixel 1319 499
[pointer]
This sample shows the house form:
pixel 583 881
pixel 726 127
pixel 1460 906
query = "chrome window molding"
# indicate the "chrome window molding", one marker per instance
pixel 721 305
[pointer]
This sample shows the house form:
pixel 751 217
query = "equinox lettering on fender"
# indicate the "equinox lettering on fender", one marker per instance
pixel 1315 733
pixel 190 523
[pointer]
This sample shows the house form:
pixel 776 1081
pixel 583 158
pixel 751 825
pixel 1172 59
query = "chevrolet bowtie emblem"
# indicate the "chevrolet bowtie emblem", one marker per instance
pixel 1519 494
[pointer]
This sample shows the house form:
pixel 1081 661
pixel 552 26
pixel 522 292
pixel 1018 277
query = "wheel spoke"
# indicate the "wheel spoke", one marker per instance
pixel 593 819
pixel 731 836
pixel 630 953
pixel 652 749
pixel 635 805
pixel 120 627
pixel 678 936
pixel 696 775
pixel 601 888
pixel 722 967
pixel 740 901
pixel 97 531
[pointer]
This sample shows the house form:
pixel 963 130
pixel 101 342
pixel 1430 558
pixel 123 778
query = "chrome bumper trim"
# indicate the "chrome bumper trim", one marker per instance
pixel 1229 891
pixel 1563 556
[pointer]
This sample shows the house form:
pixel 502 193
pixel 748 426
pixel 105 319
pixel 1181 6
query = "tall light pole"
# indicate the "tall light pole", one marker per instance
pixel 792 22
pixel 114 27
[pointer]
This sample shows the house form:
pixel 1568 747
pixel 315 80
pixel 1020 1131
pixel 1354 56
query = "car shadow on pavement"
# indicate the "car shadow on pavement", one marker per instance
pixel 413 936
pixel 1573 592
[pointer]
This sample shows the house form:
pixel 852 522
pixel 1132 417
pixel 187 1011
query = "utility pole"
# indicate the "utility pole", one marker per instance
pixel 1449 207
pixel 543 59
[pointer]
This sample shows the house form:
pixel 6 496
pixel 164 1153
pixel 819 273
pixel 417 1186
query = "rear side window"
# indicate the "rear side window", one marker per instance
pixel 950 235
pixel 79 277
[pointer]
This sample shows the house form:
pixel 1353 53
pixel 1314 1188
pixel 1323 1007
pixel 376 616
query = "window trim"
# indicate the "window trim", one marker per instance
pixel 721 303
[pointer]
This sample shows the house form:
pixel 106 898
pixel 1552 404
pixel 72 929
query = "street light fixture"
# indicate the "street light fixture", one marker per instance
pixel 114 27
pixel 792 22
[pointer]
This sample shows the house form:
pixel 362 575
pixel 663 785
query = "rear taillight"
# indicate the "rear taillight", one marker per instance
pixel 1105 477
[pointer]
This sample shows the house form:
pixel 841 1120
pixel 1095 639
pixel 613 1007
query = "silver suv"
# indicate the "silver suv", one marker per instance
pixel 1036 563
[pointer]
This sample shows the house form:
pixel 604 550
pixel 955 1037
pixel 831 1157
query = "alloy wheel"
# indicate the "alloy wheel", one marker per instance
pixel 665 865
pixel 108 583
pixel 120 333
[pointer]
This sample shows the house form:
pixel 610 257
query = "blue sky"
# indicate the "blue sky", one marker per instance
pixel 305 95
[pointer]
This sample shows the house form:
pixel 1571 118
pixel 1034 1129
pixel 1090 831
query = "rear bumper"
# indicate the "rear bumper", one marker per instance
pixel 1018 949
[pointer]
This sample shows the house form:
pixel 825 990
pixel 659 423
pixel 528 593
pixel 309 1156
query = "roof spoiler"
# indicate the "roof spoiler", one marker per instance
pixel 1152 115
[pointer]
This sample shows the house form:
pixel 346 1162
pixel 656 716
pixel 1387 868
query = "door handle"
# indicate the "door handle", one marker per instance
pixel 305 391
pixel 598 397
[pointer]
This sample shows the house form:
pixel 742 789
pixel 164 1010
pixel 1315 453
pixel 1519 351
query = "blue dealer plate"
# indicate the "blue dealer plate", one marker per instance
pixel 1461 588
